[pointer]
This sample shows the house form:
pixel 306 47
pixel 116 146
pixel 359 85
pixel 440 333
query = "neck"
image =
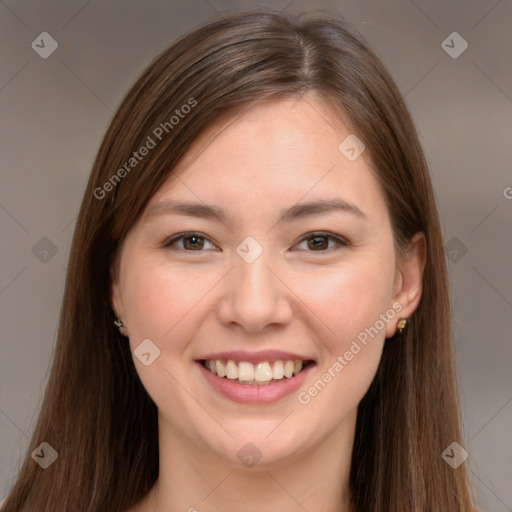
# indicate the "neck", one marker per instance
pixel 193 480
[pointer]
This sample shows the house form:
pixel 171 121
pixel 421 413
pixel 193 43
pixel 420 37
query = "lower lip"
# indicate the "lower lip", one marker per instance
pixel 255 394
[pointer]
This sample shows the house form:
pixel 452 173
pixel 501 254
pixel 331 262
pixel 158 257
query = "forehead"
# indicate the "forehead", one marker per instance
pixel 277 153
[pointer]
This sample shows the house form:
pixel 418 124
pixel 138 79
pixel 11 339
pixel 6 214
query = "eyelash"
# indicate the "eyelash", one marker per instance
pixel 317 234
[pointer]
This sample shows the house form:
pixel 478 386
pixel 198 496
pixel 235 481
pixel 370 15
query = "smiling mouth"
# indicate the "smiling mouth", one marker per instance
pixel 259 374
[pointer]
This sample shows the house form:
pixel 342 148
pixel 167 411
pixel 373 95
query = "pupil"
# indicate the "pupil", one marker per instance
pixel 316 243
pixel 196 241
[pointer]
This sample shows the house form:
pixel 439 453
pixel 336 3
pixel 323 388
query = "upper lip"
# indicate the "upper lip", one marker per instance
pixel 255 357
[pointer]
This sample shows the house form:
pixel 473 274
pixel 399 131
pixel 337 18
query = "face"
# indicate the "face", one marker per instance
pixel 270 281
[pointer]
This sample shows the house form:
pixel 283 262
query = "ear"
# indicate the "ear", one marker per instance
pixel 409 280
pixel 116 300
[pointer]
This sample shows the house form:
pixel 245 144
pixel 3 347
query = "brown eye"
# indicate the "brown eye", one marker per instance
pixel 191 242
pixel 319 242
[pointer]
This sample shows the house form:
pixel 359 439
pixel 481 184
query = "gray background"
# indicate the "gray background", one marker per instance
pixel 55 111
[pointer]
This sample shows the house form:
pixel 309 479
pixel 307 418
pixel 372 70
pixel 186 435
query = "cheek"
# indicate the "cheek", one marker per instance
pixel 347 299
pixel 160 301
pixel 351 303
pixel 163 304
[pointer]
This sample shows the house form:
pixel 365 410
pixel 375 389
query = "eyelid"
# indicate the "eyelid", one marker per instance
pixel 340 241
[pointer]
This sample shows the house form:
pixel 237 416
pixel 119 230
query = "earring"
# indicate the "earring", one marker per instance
pixel 402 324
pixel 121 327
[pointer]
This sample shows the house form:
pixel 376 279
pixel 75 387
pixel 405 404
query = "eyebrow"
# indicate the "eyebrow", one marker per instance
pixel 298 211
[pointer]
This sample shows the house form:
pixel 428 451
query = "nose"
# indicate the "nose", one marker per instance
pixel 255 296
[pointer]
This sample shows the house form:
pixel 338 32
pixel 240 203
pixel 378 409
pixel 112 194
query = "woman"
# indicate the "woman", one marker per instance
pixel 256 310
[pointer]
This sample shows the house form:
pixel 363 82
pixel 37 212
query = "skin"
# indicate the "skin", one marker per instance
pixel 293 297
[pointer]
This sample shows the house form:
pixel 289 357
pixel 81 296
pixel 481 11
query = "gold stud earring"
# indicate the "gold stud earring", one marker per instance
pixel 121 327
pixel 401 325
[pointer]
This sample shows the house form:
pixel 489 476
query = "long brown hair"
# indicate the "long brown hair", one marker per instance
pixel 96 413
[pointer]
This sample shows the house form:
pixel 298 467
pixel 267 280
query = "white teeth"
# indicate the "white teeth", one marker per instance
pixel 245 371
pixel 263 372
pixel 231 370
pixel 278 370
pixel 221 370
pixel 260 373
pixel 288 369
